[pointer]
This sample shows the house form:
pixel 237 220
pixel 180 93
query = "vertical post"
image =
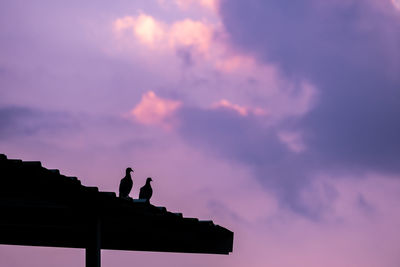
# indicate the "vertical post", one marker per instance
pixel 93 248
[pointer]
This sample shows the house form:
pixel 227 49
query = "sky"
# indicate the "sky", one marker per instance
pixel 277 120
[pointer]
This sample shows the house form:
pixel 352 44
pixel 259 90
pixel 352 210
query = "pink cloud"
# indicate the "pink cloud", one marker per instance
pixel 241 110
pixel 235 62
pixel 154 41
pixel 208 4
pixel 191 33
pixel 396 4
pixel 150 32
pixel 153 110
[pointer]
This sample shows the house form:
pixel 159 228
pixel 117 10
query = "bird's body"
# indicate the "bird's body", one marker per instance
pixel 146 191
pixel 126 184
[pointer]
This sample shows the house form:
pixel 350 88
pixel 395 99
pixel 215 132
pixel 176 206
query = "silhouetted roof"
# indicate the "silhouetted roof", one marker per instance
pixel 42 207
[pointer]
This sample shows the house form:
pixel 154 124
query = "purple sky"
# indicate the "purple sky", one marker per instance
pixel 277 120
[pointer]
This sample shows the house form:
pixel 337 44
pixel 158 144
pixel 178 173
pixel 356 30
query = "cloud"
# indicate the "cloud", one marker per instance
pixel 19 122
pixel 235 62
pixel 241 110
pixel 293 140
pixel 247 140
pixel 307 88
pixel 153 110
pixel 146 28
pixel 279 156
pixel 201 60
pixel 189 33
pixel 348 51
pixel 156 34
pixel 396 4
pixel 209 4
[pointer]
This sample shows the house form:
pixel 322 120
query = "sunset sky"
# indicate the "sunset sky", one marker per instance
pixel 279 120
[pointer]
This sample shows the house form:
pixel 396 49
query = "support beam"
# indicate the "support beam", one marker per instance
pixel 93 248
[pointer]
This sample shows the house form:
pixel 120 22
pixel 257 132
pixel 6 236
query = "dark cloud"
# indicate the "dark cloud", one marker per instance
pixel 245 140
pixel 185 55
pixel 349 50
pixel 21 121
pixel 302 36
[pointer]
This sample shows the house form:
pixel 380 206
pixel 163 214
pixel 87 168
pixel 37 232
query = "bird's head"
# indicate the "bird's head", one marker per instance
pixel 129 170
pixel 148 180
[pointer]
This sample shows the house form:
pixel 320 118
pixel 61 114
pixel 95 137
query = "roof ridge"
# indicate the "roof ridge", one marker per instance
pixel 89 193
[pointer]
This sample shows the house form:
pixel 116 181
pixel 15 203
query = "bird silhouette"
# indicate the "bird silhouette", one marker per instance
pixel 146 191
pixel 125 186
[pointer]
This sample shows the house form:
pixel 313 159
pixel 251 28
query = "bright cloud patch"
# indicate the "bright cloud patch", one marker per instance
pixel 241 110
pixel 185 33
pixel 145 28
pixel 153 110
pixel 201 59
pixel 191 33
pixel 236 62
pixel 396 3
pixel 208 4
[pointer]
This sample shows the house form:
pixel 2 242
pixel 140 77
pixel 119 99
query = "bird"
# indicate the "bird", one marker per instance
pixel 146 191
pixel 125 186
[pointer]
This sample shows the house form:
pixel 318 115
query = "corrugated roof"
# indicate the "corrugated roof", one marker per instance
pixel 42 207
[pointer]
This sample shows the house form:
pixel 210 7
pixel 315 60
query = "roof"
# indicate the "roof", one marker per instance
pixel 42 207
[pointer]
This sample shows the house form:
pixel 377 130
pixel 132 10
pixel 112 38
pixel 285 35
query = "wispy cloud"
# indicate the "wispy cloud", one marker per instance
pixel 241 110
